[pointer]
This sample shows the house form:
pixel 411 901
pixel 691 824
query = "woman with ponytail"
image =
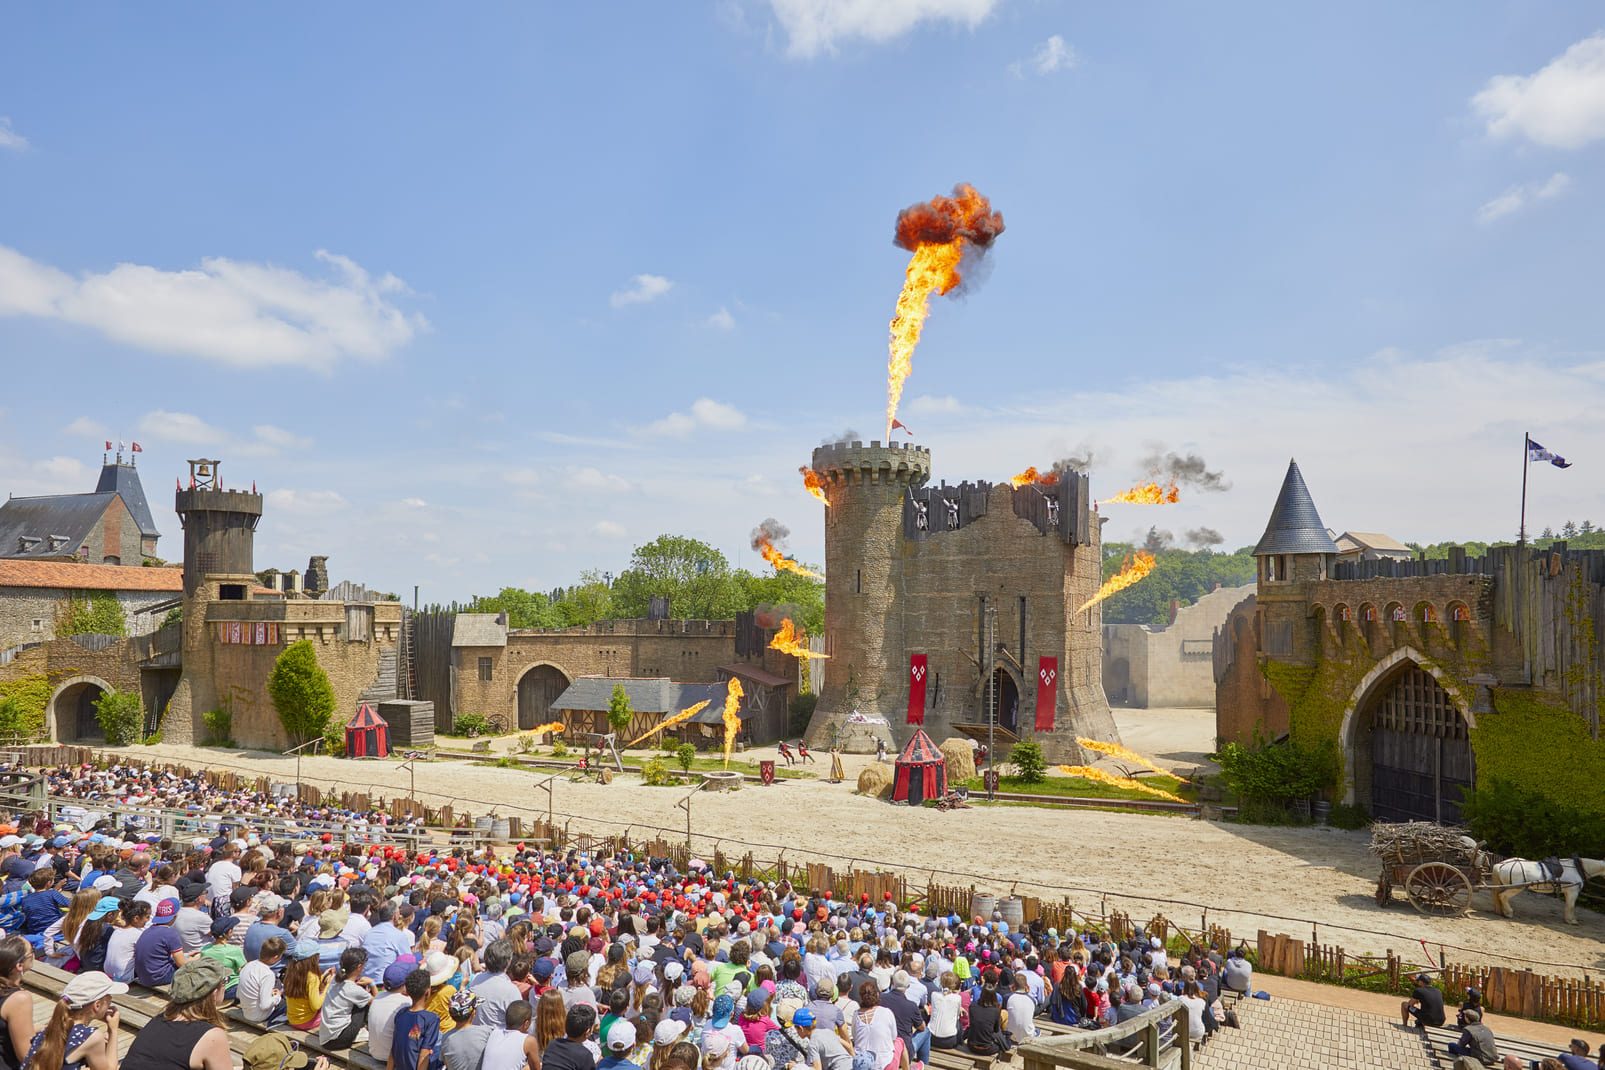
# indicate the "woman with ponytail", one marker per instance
pixel 16 1004
pixel 71 1038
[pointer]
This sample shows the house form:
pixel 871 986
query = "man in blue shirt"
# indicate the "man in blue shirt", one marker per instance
pixel 270 917
pixel 387 941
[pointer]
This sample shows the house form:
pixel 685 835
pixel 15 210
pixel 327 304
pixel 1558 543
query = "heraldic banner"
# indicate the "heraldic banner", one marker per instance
pixel 916 688
pixel 1047 692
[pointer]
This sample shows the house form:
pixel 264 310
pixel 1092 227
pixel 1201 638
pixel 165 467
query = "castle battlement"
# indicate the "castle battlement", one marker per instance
pixel 875 463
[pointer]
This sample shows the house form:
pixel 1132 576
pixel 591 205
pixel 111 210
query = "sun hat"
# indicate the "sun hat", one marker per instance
pixel 271 1051
pixel 716 1046
pixel 642 973
pixel 752 1062
pixel 440 966
pixel 578 964
pixel 196 978
pixel 621 1037
pixel 329 925
pixel 85 988
pixel 669 1031
pixel 723 1008
pixel 305 948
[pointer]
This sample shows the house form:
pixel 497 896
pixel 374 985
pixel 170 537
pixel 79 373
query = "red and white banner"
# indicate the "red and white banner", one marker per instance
pixel 917 671
pixel 1047 692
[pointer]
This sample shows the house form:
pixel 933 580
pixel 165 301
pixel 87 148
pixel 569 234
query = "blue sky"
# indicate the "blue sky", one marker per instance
pixel 489 298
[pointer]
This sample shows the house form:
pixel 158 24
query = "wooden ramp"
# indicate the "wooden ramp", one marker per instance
pixel 1001 736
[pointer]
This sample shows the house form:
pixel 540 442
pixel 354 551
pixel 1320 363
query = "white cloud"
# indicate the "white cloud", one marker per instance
pixel 182 427
pixel 643 288
pixel 721 320
pixel 279 438
pixel 306 501
pixel 934 404
pixel 608 529
pixel 65 470
pixel 9 138
pixel 229 312
pixel 523 477
pixel 414 503
pixel 705 413
pixel 1562 106
pixel 595 479
pixel 84 427
pixel 1051 55
pixel 1517 197
pixel 816 26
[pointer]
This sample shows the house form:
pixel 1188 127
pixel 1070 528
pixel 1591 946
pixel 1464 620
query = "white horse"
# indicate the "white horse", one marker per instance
pixel 1515 875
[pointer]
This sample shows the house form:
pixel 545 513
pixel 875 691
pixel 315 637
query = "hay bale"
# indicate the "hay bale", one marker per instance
pixel 960 758
pixel 875 780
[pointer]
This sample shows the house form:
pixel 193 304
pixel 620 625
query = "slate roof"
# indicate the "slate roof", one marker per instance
pixel 123 479
pixel 656 694
pixel 479 629
pixel 1295 527
pixel 72 575
pixel 72 516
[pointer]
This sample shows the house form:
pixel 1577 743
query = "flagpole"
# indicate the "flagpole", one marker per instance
pixel 1526 447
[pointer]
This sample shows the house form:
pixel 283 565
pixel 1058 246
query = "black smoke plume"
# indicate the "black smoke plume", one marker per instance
pixel 1184 470
pixel 1203 538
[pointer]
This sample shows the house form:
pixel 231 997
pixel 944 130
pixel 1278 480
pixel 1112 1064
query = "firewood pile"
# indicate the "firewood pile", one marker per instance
pixel 1418 841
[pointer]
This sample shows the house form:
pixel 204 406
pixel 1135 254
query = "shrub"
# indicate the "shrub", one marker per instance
pixel 152 740
pixel 301 692
pixel 656 773
pixel 685 754
pixel 618 710
pixel 13 717
pixel 526 743
pixel 1523 823
pixel 559 749
pixel 334 740
pixel 1278 772
pixel 1029 765
pixel 219 727
pixel 1348 816
pixel 120 716
pixel 98 614
pixel 472 724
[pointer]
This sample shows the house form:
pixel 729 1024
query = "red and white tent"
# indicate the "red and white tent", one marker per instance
pixel 920 772
pixel 367 735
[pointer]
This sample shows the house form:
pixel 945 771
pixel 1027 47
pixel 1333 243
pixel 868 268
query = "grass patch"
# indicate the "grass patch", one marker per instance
pixel 1075 786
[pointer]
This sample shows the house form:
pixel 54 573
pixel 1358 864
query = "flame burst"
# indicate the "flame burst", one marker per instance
pixel 1146 494
pixel 781 562
pixel 792 640
pixel 938 233
pixel 669 722
pixel 732 718
pixel 1115 750
pixel 1088 772
pixel 1132 569
pixel 814 483
pixel 553 726
pixel 1031 475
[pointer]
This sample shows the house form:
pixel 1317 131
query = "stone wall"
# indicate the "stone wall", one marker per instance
pixel 1170 666
pixel 1246 705
pixel 115 538
pixel 21 606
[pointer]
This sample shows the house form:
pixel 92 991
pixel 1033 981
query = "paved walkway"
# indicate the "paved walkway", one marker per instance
pixel 1289 1034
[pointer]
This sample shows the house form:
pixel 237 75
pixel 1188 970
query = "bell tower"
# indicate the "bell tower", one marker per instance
pixel 219 525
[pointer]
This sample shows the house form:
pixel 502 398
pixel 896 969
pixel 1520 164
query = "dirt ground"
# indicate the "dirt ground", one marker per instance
pixel 1323 879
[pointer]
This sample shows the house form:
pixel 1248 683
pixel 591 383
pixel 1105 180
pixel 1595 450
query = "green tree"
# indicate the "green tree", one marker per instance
pixel 1180 575
pixel 1549 532
pixel 804 596
pixel 695 577
pixel 119 715
pixel 685 754
pixel 1568 529
pixel 587 602
pixel 618 710
pixel 524 609
pixel 98 613
pixel 1030 767
pixel 1585 528
pixel 301 692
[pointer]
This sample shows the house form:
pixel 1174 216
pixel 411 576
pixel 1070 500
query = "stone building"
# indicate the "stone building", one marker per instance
pixel 37 596
pixel 944 603
pixel 112 525
pixel 1429 677
pixel 1173 665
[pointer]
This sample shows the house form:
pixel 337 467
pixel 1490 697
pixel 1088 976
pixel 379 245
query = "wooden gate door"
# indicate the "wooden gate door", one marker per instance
pixel 1420 752
pixel 537 690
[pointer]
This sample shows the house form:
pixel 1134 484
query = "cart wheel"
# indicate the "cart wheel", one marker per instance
pixel 1438 888
pixel 1384 891
pixel 498 725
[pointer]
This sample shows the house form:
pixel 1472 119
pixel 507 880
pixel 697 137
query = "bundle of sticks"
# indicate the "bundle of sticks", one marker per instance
pixel 1411 841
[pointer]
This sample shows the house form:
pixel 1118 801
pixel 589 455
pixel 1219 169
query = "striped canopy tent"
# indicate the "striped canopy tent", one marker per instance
pixel 920 772
pixel 367 735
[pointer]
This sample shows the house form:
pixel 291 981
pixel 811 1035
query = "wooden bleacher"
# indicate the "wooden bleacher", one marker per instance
pixel 1438 1039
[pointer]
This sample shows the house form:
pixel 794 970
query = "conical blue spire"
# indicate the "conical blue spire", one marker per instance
pixel 1295 527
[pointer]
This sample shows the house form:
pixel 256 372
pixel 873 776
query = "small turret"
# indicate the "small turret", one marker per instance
pixel 219 525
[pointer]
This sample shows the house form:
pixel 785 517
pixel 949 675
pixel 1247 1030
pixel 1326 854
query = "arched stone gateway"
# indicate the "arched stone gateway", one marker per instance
pixel 1407 742
pixel 538 688
pixel 1008 700
pixel 70 714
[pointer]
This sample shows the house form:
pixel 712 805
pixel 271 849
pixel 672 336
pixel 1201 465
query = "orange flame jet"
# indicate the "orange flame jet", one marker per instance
pixel 1132 569
pixel 938 233
pixel 814 483
pixel 792 640
pixel 1146 494
pixel 1031 475
pixel 552 726
pixel 781 562
pixel 732 718
pixel 669 722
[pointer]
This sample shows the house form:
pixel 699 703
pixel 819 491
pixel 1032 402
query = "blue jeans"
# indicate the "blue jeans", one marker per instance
pixel 919 1047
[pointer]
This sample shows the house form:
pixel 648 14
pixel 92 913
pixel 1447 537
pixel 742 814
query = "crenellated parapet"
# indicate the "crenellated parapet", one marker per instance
pixel 854 462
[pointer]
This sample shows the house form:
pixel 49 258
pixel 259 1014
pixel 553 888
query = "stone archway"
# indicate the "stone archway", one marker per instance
pixel 1008 699
pixel 70 714
pixel 1405 736
pixel 538 688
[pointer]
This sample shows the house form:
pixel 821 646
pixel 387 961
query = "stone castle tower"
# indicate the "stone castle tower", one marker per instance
pixel 966 592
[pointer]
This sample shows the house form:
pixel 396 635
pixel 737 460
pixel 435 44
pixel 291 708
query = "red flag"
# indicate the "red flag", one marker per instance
pixel 137 448
pixel 1047 692
pixel 108 444
pixel 916 688
pixel 896 423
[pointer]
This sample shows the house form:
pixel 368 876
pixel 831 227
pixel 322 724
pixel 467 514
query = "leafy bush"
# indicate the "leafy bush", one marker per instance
pixel 526 743
pixel 1278 772
pixel 1348 816
pixel 1519 822
pixel 219 727
pixel 656 773
pixel 13 717
pixel 618 710
pixel 120 716
pixel 471 724
pixel 334 740
pixel 1029 765
pixel 98 614
pixel 152 740
pixel 559 749
pixel 685 754
pixel 301 692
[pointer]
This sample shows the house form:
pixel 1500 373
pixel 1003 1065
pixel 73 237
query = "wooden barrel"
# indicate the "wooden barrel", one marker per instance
pixel 501 829
pixel 482 825
pixel 1013 909
pixel 982 906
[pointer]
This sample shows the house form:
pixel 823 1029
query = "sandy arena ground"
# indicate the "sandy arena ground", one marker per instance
pixel 1242 873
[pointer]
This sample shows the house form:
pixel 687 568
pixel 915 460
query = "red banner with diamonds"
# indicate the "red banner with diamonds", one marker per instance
pixel 1047 692
pixel 916 688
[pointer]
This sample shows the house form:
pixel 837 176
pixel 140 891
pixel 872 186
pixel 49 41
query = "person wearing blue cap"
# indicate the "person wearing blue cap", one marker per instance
pixel 825 1049
pixel 385 1006
pixel 159 951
